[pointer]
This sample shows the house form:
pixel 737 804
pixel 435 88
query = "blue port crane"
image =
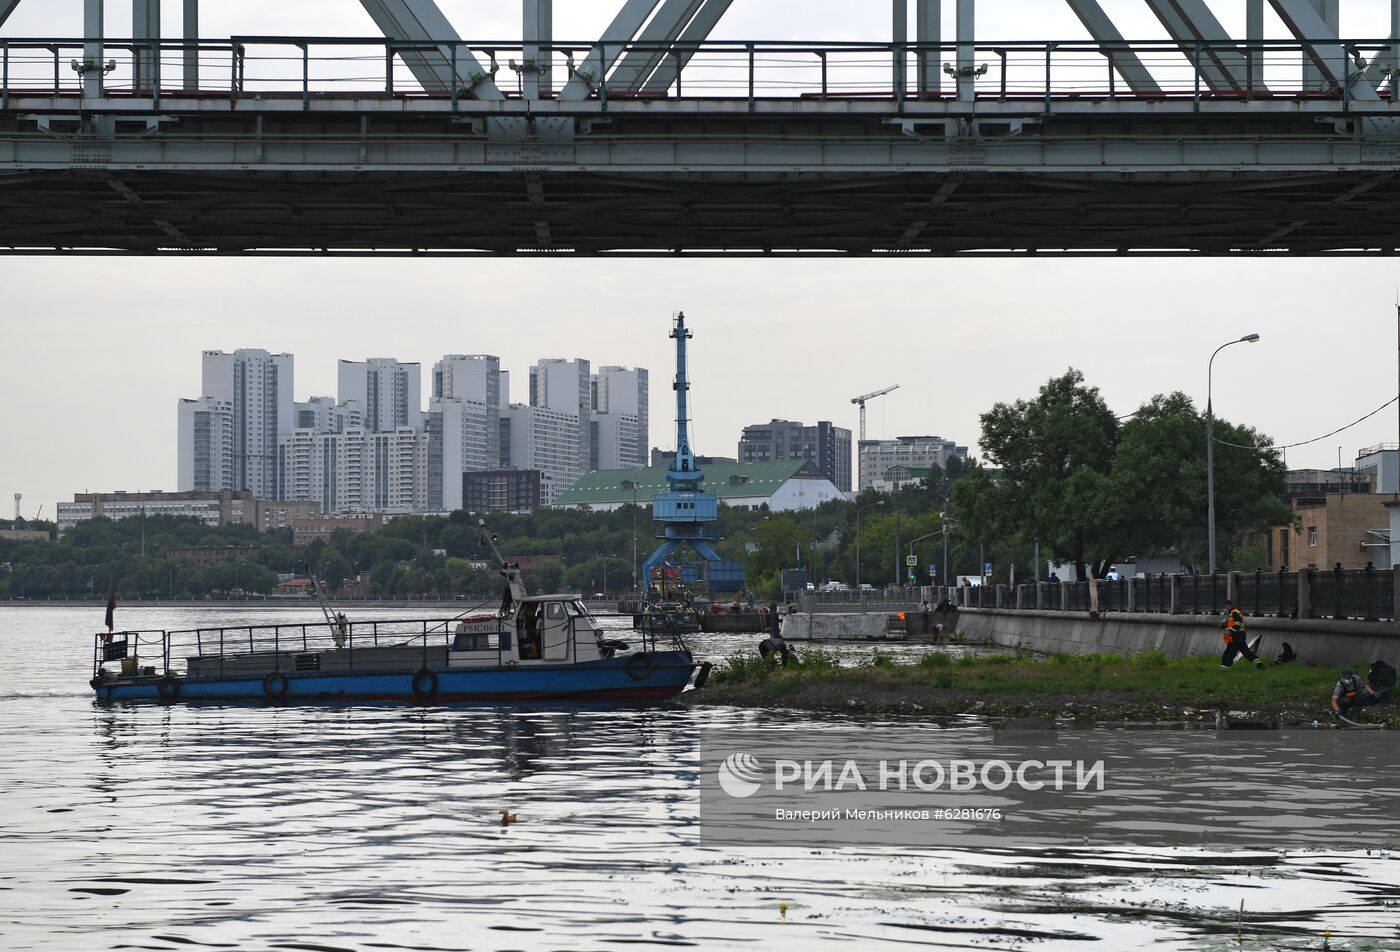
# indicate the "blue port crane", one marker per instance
pixel 685 509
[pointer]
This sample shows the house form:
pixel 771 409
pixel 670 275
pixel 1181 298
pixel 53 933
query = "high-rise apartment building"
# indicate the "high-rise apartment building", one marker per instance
pixel 463 437
pixel 257 387
pixel 205 444
pixel 826 446
pixel 546 440
pixel 324 415
pixel 469 377
pixel 623 395
pixel 389 391
pixel 615 441
pixel 918 452
pixel 566 386
pixel 357 470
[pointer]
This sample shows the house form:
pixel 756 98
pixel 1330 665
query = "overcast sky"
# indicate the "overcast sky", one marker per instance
pixel 96 351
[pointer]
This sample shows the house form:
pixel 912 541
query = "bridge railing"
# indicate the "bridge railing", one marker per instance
pixel 320 67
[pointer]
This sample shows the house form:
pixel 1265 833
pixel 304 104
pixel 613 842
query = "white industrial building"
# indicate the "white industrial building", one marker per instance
pixel 1382 463
pixel 782 486
pixel 878 457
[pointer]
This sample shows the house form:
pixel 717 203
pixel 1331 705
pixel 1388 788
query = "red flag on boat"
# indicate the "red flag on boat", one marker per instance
pixel 111 606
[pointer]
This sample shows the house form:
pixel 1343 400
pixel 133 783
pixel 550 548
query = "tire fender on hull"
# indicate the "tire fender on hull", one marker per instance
pixel 275 685
pixel 640 666
pixel 168 687
pixel 425 684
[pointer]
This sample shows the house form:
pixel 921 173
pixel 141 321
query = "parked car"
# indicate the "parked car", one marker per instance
pixel 836 587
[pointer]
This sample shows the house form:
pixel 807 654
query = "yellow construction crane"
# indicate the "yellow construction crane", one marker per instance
pixel 869 396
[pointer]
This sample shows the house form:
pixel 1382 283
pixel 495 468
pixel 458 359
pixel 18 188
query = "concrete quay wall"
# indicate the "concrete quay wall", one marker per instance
pixel 1316 641
pixel 831 626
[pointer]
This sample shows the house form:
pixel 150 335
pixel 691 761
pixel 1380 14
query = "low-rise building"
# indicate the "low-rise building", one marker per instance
pixel 877 456
pixel 203 555
pixel 899 476
pixel 826 446
pixel 1320 482
pixel 225 508
pixel 667 458
pixel 1382 463
pixel 24 535
pixel 501 490
pixel 1347 528
pixel 781 486
pixel 305 531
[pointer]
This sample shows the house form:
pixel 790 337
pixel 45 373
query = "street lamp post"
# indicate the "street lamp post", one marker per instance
pixel 858 512
pixel 946 526
pixel 636 569
pixel 1210 446
pixel 917 541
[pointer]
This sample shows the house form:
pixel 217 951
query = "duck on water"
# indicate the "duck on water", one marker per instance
pixel 534 647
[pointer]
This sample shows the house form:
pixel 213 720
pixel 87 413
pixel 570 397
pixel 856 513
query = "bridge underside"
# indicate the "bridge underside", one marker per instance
pixel 513 212
pixel 361 179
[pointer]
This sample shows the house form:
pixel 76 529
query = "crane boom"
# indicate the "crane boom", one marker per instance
pixel 869 396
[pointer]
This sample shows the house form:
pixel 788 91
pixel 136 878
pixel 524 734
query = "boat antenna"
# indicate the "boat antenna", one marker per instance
pixel 321 598
pixel 510 571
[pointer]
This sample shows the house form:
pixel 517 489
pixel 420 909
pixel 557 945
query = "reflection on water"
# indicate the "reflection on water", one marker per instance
pixel 377 827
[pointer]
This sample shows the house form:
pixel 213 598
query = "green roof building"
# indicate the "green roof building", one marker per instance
pixel 781 486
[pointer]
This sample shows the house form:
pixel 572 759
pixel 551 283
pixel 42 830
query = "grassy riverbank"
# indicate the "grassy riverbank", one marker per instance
pixel 1148 687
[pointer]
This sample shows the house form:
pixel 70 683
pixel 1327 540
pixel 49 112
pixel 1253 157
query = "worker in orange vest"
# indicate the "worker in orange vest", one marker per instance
pixel 1236 642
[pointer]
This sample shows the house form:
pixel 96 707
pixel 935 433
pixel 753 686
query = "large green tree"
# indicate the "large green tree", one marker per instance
pixel 1094 492
pixel 1053 455
pixel 1156 496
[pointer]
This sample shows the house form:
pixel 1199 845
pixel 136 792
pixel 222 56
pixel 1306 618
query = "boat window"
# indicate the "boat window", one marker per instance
pixel 554 611
pixel 578 609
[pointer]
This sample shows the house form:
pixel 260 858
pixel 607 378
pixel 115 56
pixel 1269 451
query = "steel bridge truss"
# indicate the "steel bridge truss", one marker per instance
pixel 656 139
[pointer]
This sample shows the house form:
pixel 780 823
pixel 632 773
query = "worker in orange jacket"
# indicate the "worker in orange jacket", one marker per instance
pixel 1236 641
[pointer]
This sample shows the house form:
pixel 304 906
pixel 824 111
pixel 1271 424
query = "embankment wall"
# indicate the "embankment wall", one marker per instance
pixel 1316 641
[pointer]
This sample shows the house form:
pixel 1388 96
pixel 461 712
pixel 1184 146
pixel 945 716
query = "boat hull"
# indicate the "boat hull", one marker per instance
pixel 613 679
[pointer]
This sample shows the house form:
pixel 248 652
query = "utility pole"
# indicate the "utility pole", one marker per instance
pixel 897 566
pixel 859 510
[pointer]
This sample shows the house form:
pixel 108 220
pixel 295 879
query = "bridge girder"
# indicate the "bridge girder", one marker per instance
pixel 282 181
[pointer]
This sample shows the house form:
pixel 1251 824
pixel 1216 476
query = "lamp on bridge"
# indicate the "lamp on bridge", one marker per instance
pixel 1210 447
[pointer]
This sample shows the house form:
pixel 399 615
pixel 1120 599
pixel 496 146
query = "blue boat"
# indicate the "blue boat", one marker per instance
pixel 543 647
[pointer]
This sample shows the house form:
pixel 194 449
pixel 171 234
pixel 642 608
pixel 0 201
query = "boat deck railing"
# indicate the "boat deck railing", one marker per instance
pixel 283 644
pixel 301 638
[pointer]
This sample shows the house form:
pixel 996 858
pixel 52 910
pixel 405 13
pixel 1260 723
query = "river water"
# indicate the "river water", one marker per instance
pixel 377 827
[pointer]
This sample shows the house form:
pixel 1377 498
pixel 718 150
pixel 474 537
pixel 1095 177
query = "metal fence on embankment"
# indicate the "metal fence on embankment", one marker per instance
pixel 1367 594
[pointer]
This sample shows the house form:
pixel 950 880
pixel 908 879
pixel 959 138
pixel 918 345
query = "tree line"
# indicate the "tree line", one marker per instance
pixel 1060 470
